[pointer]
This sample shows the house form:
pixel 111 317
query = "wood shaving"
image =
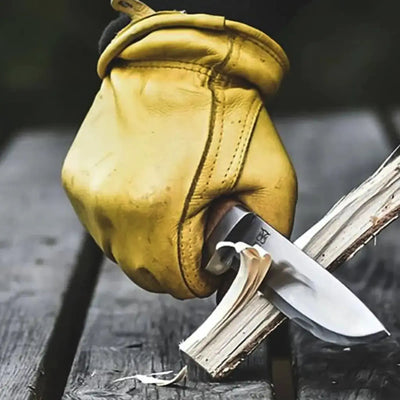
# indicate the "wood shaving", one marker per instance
pixel 152 379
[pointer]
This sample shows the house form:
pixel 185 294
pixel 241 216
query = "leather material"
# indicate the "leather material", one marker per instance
pixel 178 123
pixel 134 8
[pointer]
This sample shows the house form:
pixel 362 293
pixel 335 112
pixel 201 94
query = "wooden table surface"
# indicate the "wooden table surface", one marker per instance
pixel 71 323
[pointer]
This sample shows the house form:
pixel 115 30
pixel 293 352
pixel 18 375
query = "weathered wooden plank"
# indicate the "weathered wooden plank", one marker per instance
pixel 130 331
pixel 332 154
pixel 40 240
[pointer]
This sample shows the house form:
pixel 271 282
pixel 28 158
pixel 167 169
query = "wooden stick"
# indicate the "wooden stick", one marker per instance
pixel 345 229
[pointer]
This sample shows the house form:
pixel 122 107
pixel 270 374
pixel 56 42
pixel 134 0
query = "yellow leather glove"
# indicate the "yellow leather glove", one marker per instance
pixel 178 123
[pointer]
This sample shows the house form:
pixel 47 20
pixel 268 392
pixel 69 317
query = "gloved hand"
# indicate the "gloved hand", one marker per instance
pixel 178 124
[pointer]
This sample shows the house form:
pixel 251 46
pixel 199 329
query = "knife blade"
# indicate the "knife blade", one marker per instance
pixel 296 284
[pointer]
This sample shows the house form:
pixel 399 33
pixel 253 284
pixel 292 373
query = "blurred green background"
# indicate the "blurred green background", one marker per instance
pixel 343 54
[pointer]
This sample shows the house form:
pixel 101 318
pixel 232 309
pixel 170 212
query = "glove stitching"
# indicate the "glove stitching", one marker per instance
pixel 217 152
pixel 206 73
pixel 237 147
pixel 181 247
pixel 228 57
pixel 203 69
pixel 251 128
pixel 214 78
pixel 267 50
pixel 129 63
pixel 219 142
pixel 234 61
pixel 189 221
pixel 189 281
pixel 246 147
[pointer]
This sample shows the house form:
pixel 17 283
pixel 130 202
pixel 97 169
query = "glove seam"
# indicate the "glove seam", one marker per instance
pixel 225 178
pixel 132 65
pixel 222 77
pixel 181 249
pixel 245 146
pixel 221 134
pixel 271 52
pixel 214 78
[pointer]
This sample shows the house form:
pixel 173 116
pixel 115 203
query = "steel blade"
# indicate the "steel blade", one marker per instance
pixel 299 287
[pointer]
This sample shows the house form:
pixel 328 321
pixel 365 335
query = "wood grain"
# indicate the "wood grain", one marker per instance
pixel 349 148
pixel 131 331
pixel 40 240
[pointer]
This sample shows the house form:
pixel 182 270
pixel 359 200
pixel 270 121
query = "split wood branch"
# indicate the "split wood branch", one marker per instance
pixel 345 229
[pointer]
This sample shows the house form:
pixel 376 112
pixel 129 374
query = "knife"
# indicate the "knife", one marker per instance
pixel 296 284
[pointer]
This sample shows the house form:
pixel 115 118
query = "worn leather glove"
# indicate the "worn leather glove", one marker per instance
pixel 179 123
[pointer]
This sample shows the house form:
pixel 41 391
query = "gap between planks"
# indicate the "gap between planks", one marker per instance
pixel 61 349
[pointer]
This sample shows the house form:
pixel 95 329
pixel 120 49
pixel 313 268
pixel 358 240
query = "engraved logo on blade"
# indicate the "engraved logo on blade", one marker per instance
pixel 262 236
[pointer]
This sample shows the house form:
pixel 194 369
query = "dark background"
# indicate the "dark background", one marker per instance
pixel 344 54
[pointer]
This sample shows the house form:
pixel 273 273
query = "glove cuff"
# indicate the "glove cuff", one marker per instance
pixel 225 46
